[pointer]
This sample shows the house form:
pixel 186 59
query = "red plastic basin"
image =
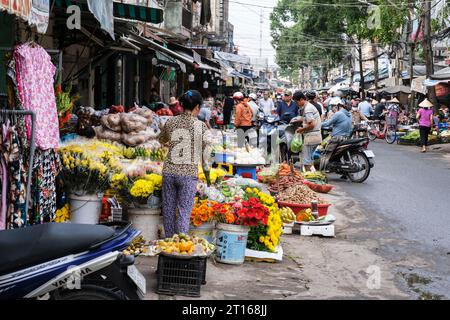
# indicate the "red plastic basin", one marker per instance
pixel 297 207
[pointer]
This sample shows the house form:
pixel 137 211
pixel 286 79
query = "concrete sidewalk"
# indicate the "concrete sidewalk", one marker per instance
pixel 312 268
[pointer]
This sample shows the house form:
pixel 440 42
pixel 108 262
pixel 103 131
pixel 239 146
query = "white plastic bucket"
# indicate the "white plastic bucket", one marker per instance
pixel 147 221
pixel 231 243
pixel 85 209
pixel 205 231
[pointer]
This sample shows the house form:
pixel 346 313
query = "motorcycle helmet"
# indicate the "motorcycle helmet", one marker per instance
pixel 310 94
pixel 238 96
pixel 253 96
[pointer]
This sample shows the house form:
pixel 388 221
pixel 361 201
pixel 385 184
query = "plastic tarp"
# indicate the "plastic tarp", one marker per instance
pixel 397 89
pixel 103 11
pixel 442 76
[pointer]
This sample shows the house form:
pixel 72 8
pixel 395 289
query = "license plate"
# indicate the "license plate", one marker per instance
pixel 369 154
pixel 137 278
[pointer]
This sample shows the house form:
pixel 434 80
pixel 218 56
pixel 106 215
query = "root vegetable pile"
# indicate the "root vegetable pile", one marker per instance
pixel 285 182
pixel 300 194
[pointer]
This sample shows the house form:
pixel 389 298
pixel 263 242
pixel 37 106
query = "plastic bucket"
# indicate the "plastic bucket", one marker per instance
pixel 146 220
pixel 85 209
pixel 231 243
pixel 205 231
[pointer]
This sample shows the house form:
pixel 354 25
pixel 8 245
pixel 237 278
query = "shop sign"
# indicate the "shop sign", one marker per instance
pixel 40 14
pixel 103 11
pixel 229 82
pixel 20 8
pixel 417 85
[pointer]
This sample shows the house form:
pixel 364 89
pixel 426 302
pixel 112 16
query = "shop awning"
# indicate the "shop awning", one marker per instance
pixel 122 10
pixel 201 65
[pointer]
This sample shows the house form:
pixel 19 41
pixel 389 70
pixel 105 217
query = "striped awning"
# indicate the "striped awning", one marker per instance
pixel 121 10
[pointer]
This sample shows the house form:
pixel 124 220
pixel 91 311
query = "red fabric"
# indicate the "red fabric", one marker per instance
pixel 176 109
pixel 164 112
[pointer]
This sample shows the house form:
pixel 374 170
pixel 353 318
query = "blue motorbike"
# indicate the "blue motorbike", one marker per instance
pixel 69 262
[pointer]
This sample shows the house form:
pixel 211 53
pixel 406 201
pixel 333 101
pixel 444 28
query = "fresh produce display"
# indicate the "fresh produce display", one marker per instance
pixel 287 170
pixel 315 177
pixel 300 194
pixel 184 245
pixel 285 182
pixel 159 154
pixel 63 214
pixel 412 136
pixel 136 248
pixel 305 215
pixel 251 157
pixel 287 215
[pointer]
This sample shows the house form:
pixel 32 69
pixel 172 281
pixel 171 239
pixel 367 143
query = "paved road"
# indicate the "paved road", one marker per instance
pixel 408 195
pixel 411 187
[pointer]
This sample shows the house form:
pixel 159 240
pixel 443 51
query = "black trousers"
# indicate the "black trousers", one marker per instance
pixel 424 132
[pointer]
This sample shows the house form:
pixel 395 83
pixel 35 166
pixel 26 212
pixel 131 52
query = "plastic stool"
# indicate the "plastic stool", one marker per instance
pixel 247 171
pixel 227 167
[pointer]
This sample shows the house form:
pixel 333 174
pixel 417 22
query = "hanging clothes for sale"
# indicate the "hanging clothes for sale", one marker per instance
pixel 35 82
pixel 30 88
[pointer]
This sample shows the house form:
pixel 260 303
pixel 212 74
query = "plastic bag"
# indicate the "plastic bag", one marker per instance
pixel 297 143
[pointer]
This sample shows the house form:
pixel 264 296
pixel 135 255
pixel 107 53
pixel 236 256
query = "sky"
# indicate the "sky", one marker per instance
pixel 245 16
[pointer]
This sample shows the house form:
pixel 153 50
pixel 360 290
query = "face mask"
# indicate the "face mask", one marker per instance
pixel 355 109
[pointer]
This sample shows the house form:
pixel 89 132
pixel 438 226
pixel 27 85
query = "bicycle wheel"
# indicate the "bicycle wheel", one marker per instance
pixel 371 134
pixel 391 135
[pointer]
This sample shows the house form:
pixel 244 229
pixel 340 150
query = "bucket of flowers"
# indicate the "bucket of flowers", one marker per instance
pixel 203 219
pixel 87 176
pixel 236 220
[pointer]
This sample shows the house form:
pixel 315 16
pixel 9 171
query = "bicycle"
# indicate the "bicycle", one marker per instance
pixel 391 129
pixel 375 130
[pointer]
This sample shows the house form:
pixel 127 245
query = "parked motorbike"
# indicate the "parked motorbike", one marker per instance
pixel 350 158
pixel 69 262
pixel 268 126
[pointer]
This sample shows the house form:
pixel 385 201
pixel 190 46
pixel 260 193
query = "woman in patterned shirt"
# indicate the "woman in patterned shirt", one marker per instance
pixel 185 137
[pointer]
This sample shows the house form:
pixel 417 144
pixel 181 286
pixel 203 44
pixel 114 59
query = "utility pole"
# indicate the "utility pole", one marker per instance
pixel 412 53
pixel 375 64
pixel 362 93
pixel 428 50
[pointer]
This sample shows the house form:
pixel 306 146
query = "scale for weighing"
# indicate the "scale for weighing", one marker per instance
pixel 321 228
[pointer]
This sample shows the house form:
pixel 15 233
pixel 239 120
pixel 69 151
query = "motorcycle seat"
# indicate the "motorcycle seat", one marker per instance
pixel 353 141
pixel 23 248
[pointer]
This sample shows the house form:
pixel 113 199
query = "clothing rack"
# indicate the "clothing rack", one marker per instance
pixel 4 112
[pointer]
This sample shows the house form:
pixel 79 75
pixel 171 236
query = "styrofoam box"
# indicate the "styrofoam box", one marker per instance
pixel 278 256
pixel 309 230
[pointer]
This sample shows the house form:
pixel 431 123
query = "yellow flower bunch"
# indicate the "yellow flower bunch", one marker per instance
pixel 63 214
pixel 118 179
pixel 274 230
pixel 156 179
pixel 142 189
pixel 266 199
pixel 214 174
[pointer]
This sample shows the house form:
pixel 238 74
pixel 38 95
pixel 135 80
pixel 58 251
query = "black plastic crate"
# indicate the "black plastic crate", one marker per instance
pixel 181 276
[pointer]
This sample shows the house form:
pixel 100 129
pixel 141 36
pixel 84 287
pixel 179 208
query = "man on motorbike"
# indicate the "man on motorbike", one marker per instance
pixel 311 128
pixel 342 128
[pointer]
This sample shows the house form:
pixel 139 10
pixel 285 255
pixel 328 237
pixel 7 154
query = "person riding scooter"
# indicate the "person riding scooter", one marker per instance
pixel 342 128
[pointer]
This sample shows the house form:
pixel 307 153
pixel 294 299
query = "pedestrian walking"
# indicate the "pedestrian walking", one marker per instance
pixel 267 105
pixel 425 118
pixel 228 105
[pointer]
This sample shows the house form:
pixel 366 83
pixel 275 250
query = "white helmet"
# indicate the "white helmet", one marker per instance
pixel 336 101
pixel 238 96
pixel 253 96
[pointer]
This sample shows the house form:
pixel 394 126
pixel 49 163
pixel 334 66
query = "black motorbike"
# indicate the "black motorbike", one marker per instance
pixel 350 158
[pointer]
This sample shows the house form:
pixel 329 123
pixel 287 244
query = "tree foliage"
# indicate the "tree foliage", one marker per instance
pixel 320 33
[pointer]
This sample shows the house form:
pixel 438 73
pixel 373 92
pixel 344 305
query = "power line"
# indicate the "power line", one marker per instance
pixel 302 4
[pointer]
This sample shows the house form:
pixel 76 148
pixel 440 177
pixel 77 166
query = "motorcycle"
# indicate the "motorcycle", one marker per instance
pixel 267 129
pixel 69 262
pixel 349 158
